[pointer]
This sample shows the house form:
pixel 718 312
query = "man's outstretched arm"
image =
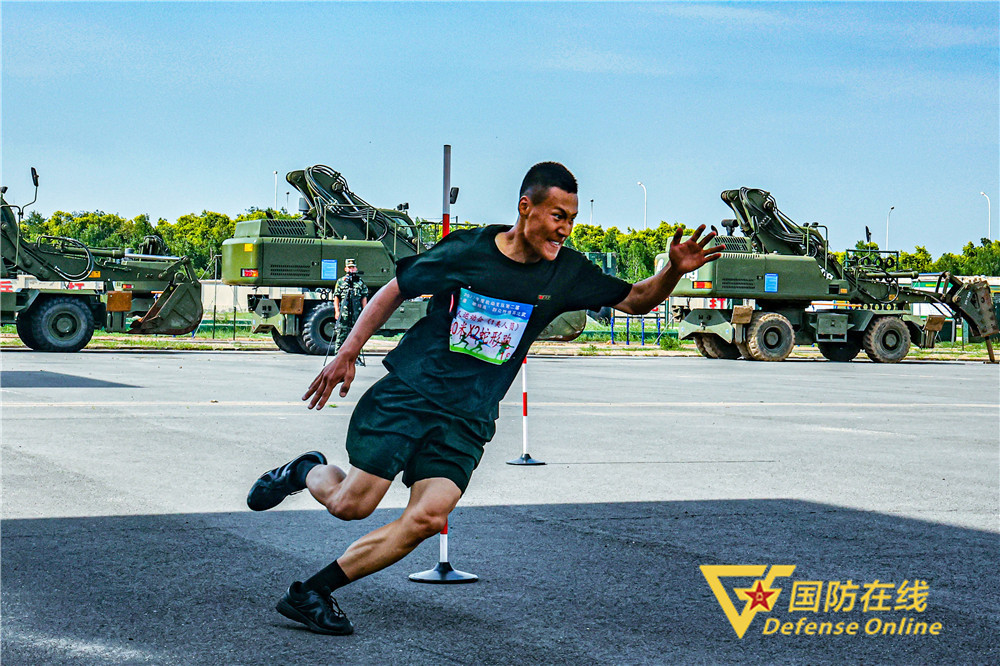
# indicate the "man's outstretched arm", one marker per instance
pixel 341 369
pixel 684 258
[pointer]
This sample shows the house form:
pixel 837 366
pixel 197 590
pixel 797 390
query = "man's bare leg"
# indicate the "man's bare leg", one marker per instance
pixel 426 514
pixel 350 496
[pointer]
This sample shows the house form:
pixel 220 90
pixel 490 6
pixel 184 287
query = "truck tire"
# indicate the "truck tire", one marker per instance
pixel 287 343
pixel 23 326
pixel 62 324
pixel 887 340
pixel 839 352
pixel 719 348
pixel 770 337
pixel 699 342
pixel 319 333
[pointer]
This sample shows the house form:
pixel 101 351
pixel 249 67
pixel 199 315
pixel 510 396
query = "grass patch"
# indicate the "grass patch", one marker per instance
pixel 669 343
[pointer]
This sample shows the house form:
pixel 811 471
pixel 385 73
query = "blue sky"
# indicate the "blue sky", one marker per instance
pixel 840 110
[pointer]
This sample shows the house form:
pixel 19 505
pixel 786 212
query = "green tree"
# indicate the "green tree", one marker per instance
pixel 199 237
pixel 919 261
pixel 948 262
pixel 983 259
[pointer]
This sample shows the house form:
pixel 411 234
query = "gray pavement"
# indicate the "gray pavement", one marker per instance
pixel 125 536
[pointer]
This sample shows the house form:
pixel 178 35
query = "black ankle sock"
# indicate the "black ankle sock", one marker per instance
pixel 330 578
pixel 300 472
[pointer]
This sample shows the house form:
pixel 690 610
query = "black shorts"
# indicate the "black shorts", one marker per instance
pixel 395 429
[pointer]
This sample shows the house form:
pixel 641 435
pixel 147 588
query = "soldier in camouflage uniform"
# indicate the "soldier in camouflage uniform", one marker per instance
pixel 349 297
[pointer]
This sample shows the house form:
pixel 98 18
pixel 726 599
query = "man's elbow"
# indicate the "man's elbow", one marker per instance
pixel 638 302
pixel 631 307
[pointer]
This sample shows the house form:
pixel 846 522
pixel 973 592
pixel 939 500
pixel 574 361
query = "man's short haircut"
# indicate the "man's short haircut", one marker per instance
pixel 543 176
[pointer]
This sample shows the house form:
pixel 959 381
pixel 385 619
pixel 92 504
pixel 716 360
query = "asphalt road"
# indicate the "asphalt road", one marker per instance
pixel 125 536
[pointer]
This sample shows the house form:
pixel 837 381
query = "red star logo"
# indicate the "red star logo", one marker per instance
pixel 758 596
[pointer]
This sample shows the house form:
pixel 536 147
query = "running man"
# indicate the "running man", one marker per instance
pixel 434 411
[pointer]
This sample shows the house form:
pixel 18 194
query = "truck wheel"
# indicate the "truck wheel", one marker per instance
pixel 287 343
pixel 840 352
pixel 699 342
pixel 770 337
pixel 719 348
pixel 887 340
pixel 62 324
pixel 319 331
pixel 23 326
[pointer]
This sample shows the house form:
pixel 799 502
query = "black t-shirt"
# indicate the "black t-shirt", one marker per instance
pixel 470 259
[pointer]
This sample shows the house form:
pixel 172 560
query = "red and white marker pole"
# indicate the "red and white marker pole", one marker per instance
pixel 444 572
pixel 525 458
pixel 446 205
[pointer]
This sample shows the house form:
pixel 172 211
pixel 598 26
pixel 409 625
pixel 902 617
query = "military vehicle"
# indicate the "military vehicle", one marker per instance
pixel 309 254
pixel 57 291
pixel 778 285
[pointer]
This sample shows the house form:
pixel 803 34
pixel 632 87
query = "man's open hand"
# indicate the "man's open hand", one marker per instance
pixel 339 371
pixel 691 255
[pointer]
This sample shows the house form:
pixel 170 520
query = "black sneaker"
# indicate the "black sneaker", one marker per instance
pixel 316 610
pixel 274 486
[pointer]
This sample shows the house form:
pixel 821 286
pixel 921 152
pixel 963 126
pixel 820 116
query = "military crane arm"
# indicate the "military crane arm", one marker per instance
pixel 340 213
pixel 770 230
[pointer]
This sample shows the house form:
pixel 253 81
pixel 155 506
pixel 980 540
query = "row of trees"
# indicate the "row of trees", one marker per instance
pixel 197 236
pixel 200 237
pixel 637 251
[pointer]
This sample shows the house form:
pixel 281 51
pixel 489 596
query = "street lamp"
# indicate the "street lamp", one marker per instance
pixel 643 204
pixel 275 190
pixel 989 221
pixel 887 227
pixel 591 212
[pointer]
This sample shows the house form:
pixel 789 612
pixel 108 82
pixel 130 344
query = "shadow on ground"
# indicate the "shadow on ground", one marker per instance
pixel 581 584
pixel 45 379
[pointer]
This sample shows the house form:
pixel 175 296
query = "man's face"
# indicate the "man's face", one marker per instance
pixel 352 270
pixel 548 223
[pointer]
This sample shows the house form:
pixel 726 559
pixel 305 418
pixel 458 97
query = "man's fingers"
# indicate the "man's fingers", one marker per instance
pixel 697 233
pixel 348 379
pixel 677 236
pixel 707 239
pixel 313 386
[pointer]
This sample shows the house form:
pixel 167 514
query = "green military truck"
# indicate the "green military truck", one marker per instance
pixel 57 291
pixel 778 285
pixel 309 254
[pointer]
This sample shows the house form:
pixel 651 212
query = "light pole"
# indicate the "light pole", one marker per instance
pixel 643 204
pixel 591 212
pixel 286 200
pixel 275 190
pixel 887 226
pixel 989 213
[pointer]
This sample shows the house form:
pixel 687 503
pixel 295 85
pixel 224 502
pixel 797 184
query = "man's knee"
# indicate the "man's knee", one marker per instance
pixel 422 523
pixel 350 508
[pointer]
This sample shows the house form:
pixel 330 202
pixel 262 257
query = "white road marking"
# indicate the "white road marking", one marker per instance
pixel 712 403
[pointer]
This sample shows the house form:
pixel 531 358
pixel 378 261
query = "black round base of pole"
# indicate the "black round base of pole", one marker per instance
pixel 443 573
pixel 525 459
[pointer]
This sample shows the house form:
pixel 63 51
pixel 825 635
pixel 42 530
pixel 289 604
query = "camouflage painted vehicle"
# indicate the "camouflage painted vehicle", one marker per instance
pixel 778 285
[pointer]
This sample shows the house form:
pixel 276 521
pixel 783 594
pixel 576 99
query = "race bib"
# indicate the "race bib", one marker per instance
pixel 488 328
